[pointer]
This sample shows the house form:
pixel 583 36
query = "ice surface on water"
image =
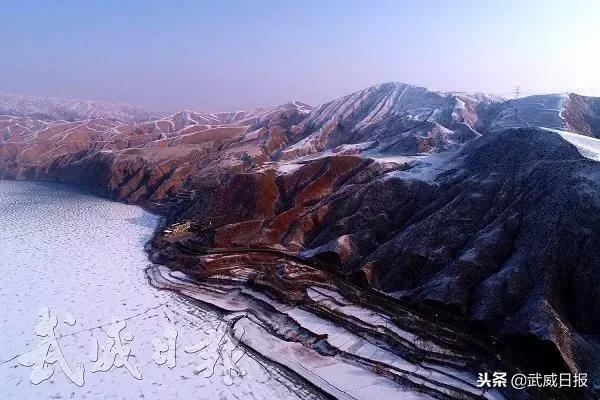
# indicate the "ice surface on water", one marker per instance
pixel 82 257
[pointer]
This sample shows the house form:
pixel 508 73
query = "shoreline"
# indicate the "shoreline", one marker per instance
pixel 91 266
pixel 152 250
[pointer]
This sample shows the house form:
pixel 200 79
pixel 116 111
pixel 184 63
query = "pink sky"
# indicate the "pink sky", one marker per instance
pixel 234 55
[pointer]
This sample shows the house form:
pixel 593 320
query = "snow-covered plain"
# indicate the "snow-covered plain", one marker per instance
pixel 82 258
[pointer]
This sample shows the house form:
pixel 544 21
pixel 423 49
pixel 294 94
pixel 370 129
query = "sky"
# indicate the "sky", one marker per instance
pixel 232 55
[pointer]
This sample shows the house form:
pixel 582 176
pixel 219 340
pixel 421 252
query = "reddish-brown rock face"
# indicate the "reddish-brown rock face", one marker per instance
pixel 582 114
pixel 140 161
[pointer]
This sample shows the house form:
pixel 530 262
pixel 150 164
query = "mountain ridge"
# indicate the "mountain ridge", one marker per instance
pixel 100 109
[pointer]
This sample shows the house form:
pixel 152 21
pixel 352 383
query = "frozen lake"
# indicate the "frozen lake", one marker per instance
pixel 71 256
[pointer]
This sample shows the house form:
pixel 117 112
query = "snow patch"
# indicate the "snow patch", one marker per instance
pixel 587 146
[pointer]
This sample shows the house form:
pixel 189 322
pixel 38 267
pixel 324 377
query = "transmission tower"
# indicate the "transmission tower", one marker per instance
pixel 517 92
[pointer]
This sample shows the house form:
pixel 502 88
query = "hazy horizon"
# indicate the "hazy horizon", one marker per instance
pixel 219 56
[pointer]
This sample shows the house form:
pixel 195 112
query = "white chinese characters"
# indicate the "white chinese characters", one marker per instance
pixel 165 348
pixel 48 352
pixel 115 351
pixel 522 381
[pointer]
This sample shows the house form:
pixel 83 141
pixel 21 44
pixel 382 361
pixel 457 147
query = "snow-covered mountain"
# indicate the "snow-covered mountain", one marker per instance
pixel 57 108
pixel 253 117
pixel 396 118
pixel 565 111
pixel 390 118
